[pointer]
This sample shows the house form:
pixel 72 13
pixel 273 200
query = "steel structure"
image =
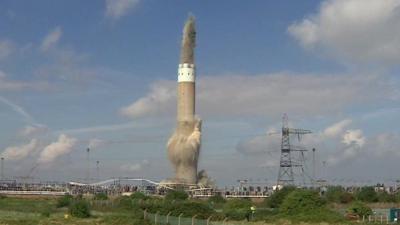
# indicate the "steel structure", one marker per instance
pixel 286 175
pixel 88 165
pixel 2 168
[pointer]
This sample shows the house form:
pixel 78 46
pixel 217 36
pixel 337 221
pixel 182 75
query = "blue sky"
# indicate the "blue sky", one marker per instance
pixel 102 74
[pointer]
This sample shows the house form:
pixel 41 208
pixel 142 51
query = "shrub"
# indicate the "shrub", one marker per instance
pixel 338 194
pixel 216 199
pixel 346 197
pixel 100 196
pixel 301 201
pixel 189 208
pixel 367 194
pixel 307 206
pixel 176 195
pixel 64 201
pixel 359 209
pixel 124 202
pixel 334 193
pixel 386 197
pixel 139 196
pixel 80 209
pixel 277 197
pixel 237 209
pixel 397 196
pixel 265 214
pixel 154 205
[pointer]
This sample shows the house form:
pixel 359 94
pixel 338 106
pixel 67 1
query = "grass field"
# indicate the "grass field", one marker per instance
pixel 32 211
pixel 43 211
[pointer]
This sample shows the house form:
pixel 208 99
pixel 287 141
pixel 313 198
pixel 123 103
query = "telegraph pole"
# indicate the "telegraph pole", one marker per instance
pixel 314 167
pixel 88 165
pixel 98 170
pixel 2 168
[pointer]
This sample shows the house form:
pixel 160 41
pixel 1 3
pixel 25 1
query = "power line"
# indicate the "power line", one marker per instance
pixel 286 176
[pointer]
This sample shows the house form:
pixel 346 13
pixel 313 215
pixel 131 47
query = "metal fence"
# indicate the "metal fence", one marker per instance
pixel 377 219
pixel 158 219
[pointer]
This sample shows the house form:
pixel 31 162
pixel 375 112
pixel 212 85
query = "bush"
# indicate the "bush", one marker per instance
pixel 397 196
pixel 359 209
pixel 301 201
pixel 124 202
pixel 346 197
pixel 80 209
pixel 338 194
pixel 334 193
pixel 189 208
pixel 100 196
pixel 64 201
pixel 154 205
pixel 237 209
pixel 367 194
pixel 386 197
pixel 277 197
pixel 176 195
pixel 265 214
pixel 139 196
pixel 307 206
pixel 216 199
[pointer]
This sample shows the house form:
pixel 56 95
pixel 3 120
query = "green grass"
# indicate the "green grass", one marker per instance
pixel 26 205
pixel 15 217
pixel 20 218
pixel 25 211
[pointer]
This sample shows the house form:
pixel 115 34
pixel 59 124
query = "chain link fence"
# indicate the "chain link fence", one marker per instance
pixel 158 219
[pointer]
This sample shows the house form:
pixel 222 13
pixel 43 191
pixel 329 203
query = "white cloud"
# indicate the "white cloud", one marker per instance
pixel 13 85
pixel 335 144
pixel 51 39
pixel 118 8
pixel 96 143
pixel 263 144
pixel 266 147
pixel 6 48
pixel 337 128
pixel 102 128
pixel 159 99
pixel 353 141
pixel 268 95
pixel 358 30
pixel 67 64
pixel 32 130
pixel 62 146
pixel 385 144
pixel 18 109
pixel 354 137
pixel 20 152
